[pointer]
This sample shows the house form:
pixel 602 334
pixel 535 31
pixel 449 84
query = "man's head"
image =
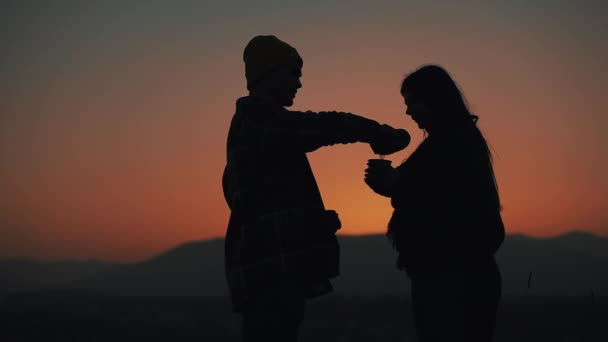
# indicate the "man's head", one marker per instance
pixel 273 69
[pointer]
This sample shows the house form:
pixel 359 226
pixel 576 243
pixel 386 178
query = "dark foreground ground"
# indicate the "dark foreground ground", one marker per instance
pixel 87 317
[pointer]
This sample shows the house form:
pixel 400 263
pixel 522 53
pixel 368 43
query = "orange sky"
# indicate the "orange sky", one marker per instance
pixel 114 120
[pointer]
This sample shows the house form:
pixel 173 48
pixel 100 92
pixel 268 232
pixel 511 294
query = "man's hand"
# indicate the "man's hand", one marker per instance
pixel 332 220
pixel 389 140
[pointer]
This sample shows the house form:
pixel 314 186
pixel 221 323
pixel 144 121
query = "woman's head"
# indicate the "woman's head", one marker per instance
pixel 433 99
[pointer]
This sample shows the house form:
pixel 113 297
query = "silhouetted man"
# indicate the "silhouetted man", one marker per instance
pixel 281 246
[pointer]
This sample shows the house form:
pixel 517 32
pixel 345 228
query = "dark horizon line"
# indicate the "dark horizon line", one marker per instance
pixel 76 260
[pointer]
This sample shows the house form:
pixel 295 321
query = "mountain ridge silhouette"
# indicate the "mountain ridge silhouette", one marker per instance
pixel 572 263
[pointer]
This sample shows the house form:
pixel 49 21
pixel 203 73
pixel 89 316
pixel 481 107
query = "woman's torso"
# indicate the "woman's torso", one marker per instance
pixel 446 205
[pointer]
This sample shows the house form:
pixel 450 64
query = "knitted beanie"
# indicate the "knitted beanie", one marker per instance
pixel 263 54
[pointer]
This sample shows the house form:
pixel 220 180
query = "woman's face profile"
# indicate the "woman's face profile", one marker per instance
pixel 417 110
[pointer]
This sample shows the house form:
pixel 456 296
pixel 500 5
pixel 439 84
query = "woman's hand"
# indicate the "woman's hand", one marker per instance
pixel 381 177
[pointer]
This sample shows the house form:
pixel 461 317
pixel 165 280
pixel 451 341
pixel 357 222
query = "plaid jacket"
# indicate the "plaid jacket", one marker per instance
pixel 279 228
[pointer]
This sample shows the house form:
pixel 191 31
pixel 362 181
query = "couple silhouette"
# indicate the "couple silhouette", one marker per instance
pixel 281 247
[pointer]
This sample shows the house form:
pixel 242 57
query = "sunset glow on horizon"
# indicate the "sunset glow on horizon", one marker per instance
pixel 114 117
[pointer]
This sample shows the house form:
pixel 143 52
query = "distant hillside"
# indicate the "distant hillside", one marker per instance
pixel 584 242
pixel 193 268
pixel 27 275
pixel 571 263
pixel 574 263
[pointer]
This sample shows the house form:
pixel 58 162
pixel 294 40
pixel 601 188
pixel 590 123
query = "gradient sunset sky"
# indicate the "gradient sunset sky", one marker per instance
pixel 114 114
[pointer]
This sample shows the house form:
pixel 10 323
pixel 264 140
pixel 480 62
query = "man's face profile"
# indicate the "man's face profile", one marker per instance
pixel 285 82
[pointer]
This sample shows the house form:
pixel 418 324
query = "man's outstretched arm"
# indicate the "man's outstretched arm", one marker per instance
pixel 315 130
pixel 308 131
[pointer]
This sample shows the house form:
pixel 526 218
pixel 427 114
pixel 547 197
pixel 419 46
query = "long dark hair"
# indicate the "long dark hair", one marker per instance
pixel 433 86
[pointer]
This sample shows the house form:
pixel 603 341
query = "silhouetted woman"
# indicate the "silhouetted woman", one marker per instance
pixel 446 223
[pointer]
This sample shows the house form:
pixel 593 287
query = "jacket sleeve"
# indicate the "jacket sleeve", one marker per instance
pixel 314 130
pixel 307 131
pixel 230 187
